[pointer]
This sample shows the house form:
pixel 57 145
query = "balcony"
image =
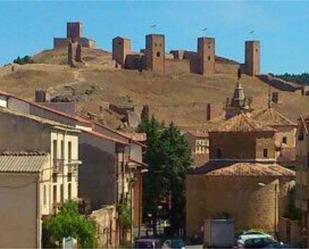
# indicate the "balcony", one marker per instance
pixel 73 165
pixel 58 165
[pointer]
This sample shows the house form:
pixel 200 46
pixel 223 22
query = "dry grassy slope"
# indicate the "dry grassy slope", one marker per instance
pixel 177 96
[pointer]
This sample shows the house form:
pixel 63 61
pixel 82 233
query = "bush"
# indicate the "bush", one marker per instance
pixel 125 216
pixel 69 223
pixel 24 60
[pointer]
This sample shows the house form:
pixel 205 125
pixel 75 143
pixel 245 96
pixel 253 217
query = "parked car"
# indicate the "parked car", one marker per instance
pixel 174 244
pixel 254 241
pixel 253 234
pixel 147 243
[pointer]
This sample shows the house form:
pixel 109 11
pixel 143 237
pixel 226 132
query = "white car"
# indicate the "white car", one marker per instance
pixel 254 237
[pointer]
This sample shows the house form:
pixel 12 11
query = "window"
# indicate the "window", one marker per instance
pixel 69 191
pixel 44 195
pixel 284 140
pixel 69 151
pixel 55 193
pixel 55 176
pixel 301 135
pixel 209 58
pixel 156 44
pixel 158 54
pixel 62 149
pixel 218 153
pixel 265 153
pixel 308 159
pixel 61 193
pixel 69 177
pixel 55 149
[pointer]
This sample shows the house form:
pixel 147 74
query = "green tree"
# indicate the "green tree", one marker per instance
pixel 153 192
pixel 24 60
pixel 168 158
pixel 69 223
pixel 176 161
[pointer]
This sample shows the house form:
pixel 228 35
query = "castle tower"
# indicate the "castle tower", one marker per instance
pixel 252 57
pixel 74 31
pixel 121 48
pixel 238 104
pixel 155 53
pixel 206 55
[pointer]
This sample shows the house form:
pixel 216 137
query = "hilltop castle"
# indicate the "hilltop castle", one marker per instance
pixel 204 61
pixel 154 58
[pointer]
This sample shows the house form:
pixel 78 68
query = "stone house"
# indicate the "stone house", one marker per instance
pixel 302 173
pixel 285 136
pixel 52 158
pixel 242 179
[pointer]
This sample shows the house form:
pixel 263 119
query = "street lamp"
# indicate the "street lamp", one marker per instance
pixel 262 184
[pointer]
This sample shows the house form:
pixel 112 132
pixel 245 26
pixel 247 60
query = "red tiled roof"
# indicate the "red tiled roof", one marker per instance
pixel 199 133
pixel 75 117
pixel 222 168
pixel 137 162
pixel 271 117
pixel 241 123
pixel 100 135
pixel 121 134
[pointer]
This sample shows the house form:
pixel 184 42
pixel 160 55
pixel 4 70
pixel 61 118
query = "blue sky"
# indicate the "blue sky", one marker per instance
pixel 281 26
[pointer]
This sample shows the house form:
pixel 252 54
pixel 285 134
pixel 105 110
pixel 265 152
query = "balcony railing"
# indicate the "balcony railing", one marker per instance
pixel 58 165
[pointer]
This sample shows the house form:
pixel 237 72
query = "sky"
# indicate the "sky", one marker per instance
pixel 282 27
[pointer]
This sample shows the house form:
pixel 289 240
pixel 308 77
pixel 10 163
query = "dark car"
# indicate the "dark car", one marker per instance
pixel 258 242
pixel 147 243
pixel 174 244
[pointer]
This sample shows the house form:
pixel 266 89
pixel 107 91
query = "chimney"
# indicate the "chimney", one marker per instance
pixel 208 112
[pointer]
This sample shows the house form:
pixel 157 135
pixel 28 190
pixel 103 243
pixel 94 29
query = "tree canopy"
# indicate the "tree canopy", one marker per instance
pixel 168 158
pixel 302 79
pixel 69 223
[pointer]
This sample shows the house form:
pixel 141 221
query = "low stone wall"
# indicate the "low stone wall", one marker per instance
pixel 290 231
pixel 106 226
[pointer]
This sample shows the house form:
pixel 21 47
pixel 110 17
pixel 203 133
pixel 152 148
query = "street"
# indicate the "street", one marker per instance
pixel 194 247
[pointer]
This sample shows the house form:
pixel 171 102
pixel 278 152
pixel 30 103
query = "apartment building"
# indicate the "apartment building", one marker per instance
pixel 39 171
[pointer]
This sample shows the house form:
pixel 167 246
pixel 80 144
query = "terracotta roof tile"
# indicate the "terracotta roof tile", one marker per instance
pixel 241 123
pixel 221 168
pixel 271 117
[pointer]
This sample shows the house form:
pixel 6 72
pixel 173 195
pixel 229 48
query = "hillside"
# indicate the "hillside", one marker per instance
pixel 178 95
